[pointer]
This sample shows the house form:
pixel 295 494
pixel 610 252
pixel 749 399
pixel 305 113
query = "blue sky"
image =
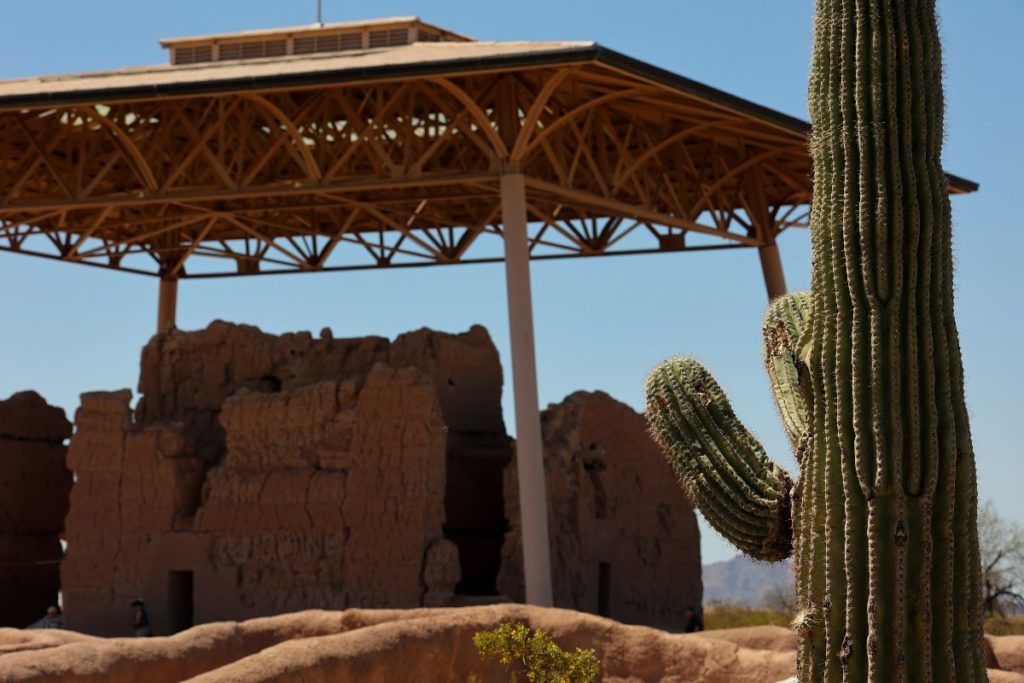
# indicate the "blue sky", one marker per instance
pixel 601 323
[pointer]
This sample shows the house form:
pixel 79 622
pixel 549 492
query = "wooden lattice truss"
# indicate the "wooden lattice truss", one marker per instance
pixel 403 171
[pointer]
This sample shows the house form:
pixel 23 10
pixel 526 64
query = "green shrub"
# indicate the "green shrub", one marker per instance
pixel 536 656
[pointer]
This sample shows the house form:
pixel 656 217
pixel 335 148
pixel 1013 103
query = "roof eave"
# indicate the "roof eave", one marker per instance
pixel 563 55
pixel 957 184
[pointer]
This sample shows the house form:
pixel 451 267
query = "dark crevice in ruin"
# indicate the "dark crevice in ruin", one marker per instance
pixel 269 385
pixel 475 507
pixel 22 439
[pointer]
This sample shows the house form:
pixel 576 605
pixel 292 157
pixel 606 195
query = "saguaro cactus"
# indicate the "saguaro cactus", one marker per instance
pixel 867 374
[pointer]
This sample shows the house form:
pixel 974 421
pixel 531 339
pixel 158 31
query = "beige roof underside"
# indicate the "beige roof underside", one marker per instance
pixel 166 74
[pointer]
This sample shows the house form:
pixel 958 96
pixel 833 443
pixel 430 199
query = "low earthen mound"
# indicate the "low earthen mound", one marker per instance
pixel 440 648
pixel 19 640
pixel 774 638
pixel 76 657
pixel 1009 652
pixel 386 645
pixel 404 645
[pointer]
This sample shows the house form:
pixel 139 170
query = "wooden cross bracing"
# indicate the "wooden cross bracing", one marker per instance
pixel 393 173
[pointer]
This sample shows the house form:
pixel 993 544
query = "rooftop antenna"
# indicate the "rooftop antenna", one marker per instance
pixel 320 12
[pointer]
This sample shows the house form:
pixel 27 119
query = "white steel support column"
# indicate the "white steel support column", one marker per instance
pixel 771 267
pixel 167 307
pixel 533 499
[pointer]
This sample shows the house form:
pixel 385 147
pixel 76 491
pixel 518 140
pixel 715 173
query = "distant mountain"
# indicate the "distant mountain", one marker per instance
pixel 743 580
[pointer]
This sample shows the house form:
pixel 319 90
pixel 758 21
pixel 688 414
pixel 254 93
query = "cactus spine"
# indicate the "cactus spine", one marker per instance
pixel 884 512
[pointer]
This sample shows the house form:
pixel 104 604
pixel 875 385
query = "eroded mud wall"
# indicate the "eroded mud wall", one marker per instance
pixel 261 474
pixel 34 486
pixel 624 541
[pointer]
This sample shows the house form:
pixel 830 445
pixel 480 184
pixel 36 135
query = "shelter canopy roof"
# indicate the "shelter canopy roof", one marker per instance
pixel 372 157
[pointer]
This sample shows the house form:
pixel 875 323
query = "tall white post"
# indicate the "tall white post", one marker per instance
pixel 533 499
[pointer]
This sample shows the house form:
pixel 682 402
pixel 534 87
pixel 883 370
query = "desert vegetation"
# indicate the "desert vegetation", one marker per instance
pixel 868 378
pixel 535 656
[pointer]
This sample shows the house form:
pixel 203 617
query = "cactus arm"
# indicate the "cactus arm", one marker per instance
pixel 784 325
pixel 739 490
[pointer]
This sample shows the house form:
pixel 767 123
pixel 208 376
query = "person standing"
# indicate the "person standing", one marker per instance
pixel 53 618
pixel 693 621
pixel 140 620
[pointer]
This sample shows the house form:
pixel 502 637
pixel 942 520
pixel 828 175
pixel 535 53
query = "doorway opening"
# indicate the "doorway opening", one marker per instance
pixel 180 608
pixel 475 508
pixel 604 588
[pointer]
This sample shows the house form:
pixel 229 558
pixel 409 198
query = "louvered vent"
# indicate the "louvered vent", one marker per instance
pixel 253 49
pixel 327 43
pixel 306 40
pixel 193 55
pixel 229 51
pixel 350 41
pixel 304 45
pixel 337 42
pixel 391 38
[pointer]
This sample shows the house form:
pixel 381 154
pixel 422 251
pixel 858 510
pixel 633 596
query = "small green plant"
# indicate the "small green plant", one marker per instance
pixel 534 655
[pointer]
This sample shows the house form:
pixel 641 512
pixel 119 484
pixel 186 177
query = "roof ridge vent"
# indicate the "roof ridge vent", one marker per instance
pixel 305 40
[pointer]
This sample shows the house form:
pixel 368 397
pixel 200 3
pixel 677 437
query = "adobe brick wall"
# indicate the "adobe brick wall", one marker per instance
pixel 329 494
pixel 268 474
pixel 34 486
pixel 613 500
pixel 288 471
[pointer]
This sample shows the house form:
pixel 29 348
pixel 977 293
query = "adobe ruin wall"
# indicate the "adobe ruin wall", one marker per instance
pixel 624 540
pixel 34 485
pixel 260 474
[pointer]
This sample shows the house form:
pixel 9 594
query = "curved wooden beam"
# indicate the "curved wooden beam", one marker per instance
pixel 667 142
pixel 527 130
pixel 582 109
pixel 311 167
pixel 736 170
pixel 478 115
pixel 125 143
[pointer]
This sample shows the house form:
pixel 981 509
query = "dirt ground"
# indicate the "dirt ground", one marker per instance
pixel 410 645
